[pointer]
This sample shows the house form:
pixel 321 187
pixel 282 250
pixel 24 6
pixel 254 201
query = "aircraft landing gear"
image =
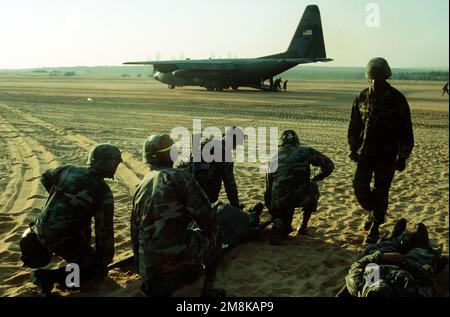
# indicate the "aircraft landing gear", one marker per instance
pixel 235 87
pixel 214 88
pixel 171 86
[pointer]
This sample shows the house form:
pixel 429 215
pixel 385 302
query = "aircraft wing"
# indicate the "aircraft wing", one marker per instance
pixel 189 67
pixel 304 60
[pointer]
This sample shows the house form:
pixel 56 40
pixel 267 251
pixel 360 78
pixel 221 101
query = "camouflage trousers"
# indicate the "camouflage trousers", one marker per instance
pixel 309 206
pixel 74 248
pixel 163 274
pixel 373 200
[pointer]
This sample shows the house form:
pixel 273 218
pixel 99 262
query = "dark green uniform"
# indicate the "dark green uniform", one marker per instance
pixel 77 195
pixel 210 175
pixel 173 229
pixel 381 134
pixel 413 278
pixel 289 184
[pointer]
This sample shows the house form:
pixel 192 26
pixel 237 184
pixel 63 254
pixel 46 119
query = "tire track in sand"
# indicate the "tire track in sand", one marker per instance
pixel 129 173
pixel 22 198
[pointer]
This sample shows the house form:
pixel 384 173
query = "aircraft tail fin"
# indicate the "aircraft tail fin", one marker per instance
pixel 308 39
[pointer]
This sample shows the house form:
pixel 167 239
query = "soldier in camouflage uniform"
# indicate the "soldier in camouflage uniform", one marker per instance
pixel 76 195
pixel 405 267
pixel 174 230
pixel 211 173
pixel 289 184
pixel 381 140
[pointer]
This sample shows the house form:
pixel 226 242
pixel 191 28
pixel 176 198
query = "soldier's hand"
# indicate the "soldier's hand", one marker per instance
pixel 354 156
pixel 400 165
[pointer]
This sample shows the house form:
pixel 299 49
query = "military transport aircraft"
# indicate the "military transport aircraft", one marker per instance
pixel 307 46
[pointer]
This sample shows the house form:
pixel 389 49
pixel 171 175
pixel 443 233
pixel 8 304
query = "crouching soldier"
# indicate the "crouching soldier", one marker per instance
pixel 174 230
pixel 76 195
pixel 289 184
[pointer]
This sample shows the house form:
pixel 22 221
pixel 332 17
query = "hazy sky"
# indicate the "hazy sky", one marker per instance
pixel 411 33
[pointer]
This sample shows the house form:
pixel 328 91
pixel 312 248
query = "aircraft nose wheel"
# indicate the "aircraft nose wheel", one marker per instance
pixel 171 86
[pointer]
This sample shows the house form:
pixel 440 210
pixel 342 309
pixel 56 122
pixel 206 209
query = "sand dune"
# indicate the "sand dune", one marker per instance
pixel 45 124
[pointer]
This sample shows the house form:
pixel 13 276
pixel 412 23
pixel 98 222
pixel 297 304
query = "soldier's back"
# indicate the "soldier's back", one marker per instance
pixel 73 199
pixel 160 209
pixel 291 175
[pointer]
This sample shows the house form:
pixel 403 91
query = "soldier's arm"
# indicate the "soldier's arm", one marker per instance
pixel 196 202
pixel 104 229
pixel 230 183
pixel 324 162
pixel 355 127
pixel 355 280
pixel 134 230
pixel 268 192
pixel 49 177
pixel 407 136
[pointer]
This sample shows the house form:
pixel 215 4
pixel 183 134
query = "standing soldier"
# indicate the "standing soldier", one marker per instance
pixel 77 194
pixel 174 230
pixel 285 85
pixel 381 140
pixel 445 89
pixel 289 184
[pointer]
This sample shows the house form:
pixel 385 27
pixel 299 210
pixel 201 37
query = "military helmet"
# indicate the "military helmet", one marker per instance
pixel 104 158
pixel 289 137
pixel 378 68
pixel 156 148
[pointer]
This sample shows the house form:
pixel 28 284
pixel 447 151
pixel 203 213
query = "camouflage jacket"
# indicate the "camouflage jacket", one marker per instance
pixel 76 195
pixel 380 126
pixel 210 176
pixel 289 176
pixel 413 278
pixel 167 205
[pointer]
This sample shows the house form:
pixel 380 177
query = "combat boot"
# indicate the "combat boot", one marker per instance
pixel 277 232
pixel 374 234
pixel 423 240
pixel 306 217
pixel 255 214
pixel 302 230
pixel 368 224
pixel 44 281
pixel 399 228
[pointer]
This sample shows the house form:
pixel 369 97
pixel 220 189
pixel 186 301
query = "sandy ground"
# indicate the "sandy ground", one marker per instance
pixel 46 122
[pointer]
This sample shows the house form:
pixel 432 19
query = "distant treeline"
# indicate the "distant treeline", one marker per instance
pixel 300 72
pixel 422 76
pixel 355 73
